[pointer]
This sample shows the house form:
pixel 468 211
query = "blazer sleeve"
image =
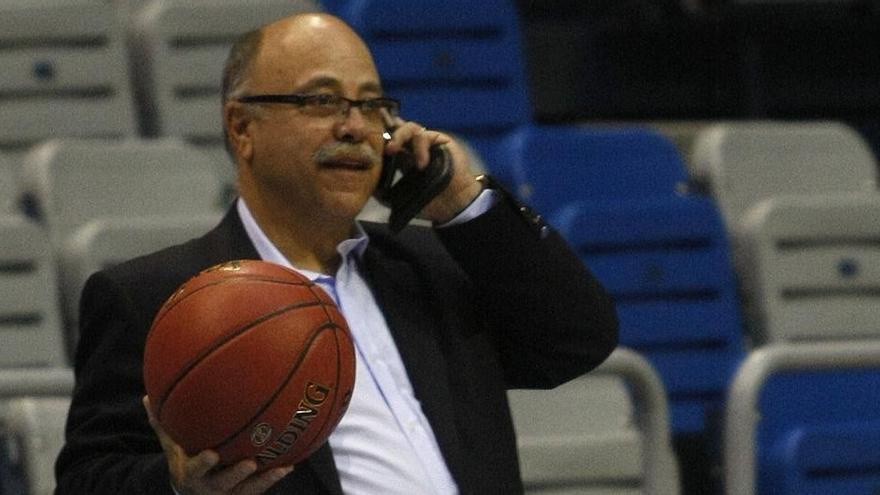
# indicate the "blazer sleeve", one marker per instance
pixel 110 447
pixel 549 316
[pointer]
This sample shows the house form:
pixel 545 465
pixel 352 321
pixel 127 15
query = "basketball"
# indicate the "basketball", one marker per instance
pixel 252 360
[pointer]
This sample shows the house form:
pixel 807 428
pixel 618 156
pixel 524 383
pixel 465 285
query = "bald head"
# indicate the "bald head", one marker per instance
pixel 303 33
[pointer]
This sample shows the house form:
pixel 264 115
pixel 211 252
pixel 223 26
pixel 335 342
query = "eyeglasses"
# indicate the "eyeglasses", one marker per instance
pixel 325 105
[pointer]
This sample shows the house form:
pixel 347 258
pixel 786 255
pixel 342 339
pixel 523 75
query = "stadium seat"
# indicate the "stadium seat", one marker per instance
pixel 743 163
pixel 104 242
pixel 606 432
pixel 75 181
pixel 459 68
pixel 555 165
pixel 33 430
pixel 63 72
pixel 36 382
pixel 8 184
pixel 804 419
pixel 31 333
pixel 618 196
pixel 33 408
pixel 809 267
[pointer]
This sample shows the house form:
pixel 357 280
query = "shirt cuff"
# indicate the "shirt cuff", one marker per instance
pixel 481 204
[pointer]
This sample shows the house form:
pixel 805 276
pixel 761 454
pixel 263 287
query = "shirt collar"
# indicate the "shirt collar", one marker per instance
pixel 351 248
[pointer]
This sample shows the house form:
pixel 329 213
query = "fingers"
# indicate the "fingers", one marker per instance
pixel 262 482
pixel 167 443
pixel 226 479
pixel 201 464
pixel 416 139
pixel 200 474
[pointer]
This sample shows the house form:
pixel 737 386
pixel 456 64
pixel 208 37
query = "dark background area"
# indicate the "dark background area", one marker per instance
pixel 644 60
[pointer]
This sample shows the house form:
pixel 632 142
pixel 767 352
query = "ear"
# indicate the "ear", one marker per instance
pixel 238 120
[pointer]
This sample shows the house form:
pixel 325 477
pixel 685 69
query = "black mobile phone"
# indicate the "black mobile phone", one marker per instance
pixel 406 189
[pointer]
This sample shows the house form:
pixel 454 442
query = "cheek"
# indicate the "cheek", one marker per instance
pixel 288 146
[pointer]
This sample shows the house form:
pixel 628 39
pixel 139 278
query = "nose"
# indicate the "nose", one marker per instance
pixel 353 126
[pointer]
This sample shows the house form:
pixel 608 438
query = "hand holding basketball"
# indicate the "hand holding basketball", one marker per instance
pixel 196 475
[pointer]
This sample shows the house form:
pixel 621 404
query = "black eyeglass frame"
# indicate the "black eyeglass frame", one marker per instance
pixel 304 99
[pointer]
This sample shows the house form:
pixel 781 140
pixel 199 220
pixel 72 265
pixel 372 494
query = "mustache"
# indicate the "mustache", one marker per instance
pixel 349 151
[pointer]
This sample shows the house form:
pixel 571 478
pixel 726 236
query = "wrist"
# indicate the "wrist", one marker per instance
pixel 456 202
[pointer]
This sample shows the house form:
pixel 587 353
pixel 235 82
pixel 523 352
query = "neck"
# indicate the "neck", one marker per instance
pixel 307 240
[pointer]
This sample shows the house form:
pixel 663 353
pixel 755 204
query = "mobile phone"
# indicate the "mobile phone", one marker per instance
pixel 405 188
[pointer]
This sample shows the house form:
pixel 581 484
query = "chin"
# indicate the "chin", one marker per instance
pixel 345 205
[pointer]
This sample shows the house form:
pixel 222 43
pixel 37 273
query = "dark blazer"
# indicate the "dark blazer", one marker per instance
pixel 475 309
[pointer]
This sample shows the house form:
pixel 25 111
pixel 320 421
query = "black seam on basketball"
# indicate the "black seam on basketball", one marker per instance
pixel 219 342
pixel 328 417
pixel 318 297
pixel 338 360
pixel 229 279
pixel 268 402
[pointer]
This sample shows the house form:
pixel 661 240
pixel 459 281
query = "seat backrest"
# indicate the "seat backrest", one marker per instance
pixel 811 267
pixel 74 181
pixel 8 184
pixel 63 71
pixel 666 263
pixel 603 432
pixel 805 419
pixel 455 65
pixel 180 48
pixel 34 428
pixel 30 321
pixel 104 242
pixel 580 435
pixel 743 163
pixel 555 165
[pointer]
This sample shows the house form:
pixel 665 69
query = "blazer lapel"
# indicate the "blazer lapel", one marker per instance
pixel 415 331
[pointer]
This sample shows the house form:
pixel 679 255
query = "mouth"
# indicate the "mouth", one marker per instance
pixel 353 163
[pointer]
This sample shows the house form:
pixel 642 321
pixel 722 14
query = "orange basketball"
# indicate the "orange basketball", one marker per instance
pixel 252 360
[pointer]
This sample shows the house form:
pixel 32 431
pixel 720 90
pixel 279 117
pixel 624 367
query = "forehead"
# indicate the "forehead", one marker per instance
pixel 297 57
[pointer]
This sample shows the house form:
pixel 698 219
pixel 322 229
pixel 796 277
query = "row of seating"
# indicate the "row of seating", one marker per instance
pixel 460 69
pixel 798 203
pixel 177 64
pixel 624 204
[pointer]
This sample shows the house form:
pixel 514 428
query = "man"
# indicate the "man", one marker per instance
pixel 444 319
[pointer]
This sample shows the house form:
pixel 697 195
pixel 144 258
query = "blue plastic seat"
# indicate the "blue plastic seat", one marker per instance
pixel 821 433
pixel 557 165
pixel 616 195
pixel 455 65
pixel 805 420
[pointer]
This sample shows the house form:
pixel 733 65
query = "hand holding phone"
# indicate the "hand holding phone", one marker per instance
pixel 410 191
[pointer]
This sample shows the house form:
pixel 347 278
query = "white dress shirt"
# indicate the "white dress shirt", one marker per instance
pixel 384 443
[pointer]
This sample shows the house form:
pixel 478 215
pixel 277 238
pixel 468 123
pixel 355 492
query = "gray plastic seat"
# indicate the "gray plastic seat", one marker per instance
pixel 606 432
pixel 76 181
pixel 744 163
pixel 63 72
pixel 31 333
pixel 104 242
pixel 33 427
pixel 810 267
pixel 8 184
